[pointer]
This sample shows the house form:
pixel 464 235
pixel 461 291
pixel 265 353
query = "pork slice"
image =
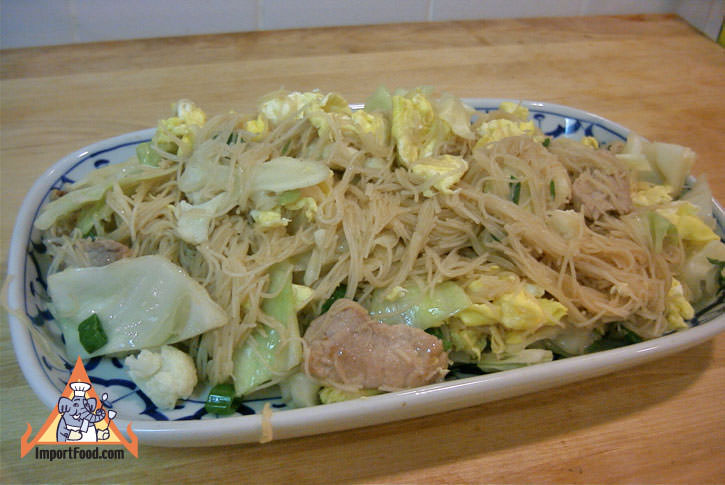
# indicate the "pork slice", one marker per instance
pixel 595 193
pixel 100 252
pixel 347 348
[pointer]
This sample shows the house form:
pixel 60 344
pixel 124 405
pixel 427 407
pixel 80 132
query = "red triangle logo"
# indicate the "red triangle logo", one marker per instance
pixel 79 418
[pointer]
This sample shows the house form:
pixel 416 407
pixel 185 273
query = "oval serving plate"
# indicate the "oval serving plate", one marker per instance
pixel 46 369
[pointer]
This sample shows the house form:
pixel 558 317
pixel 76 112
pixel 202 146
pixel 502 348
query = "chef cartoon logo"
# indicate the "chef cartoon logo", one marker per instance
pixel 79 417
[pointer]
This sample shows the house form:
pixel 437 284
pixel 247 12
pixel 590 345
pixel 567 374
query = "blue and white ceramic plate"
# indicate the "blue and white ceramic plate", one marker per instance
pixel 40 355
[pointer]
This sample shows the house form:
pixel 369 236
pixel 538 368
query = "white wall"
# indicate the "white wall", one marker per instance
pixel 25 23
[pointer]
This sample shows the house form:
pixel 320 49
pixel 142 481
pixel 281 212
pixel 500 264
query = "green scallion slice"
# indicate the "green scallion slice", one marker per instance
pixel 221 400
pixel 91 334
pixel 515 188
pixel 336 295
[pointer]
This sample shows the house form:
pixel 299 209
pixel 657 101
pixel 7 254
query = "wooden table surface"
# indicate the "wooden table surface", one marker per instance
pixel 662 422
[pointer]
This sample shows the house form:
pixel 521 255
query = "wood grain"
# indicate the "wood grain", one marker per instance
pixel 663 422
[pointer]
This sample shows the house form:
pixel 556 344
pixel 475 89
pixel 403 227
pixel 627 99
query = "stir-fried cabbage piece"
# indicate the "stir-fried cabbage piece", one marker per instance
pixel 141 303
pixel 275 350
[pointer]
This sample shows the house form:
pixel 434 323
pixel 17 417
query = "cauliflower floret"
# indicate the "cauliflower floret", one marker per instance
pixel 164 376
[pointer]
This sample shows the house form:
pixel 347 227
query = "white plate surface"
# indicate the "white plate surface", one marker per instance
pixel 47 371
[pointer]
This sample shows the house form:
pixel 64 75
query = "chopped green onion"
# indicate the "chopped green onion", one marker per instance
pixel 630 336
pixel 234 138
pixel 336 295
pixel 552 189
pixel 285 147
pixel 438 332
pixel 546 142
pixel 91 334
pixel 617 335
pixel 515 188
pixel 720 265
pixel 221 400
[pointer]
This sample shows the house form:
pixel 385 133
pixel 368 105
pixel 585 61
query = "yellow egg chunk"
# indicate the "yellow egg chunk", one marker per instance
pixel 677 308
pixel 257 127
pixel 496 130
pixel 648 194
pixel 590 141
pixel 447 170
pixel 683 215
pixel 515 109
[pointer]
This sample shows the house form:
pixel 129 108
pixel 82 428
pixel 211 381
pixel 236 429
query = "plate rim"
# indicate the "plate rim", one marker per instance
pixel 444 396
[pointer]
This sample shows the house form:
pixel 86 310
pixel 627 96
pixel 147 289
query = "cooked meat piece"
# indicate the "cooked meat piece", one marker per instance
pixel 346 347
pixel 100 252
pixel 595 193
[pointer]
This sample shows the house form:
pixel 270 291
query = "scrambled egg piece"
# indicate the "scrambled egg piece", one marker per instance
pixel 372 129
pixel 691 229
pixel 471 340
pixel 279 107
pixel 496 130
pixel 176 134
pixel 395 293
pixel 373 123
pixel 590 141
pixel 515 109
pixel 647 194
pixel 447 170
pixel 306 204
pixel 302 296
pixel 269 219
pixel 258 127
pixel 521 310
pixel 415 127
pixel 677 308
pixel 332 394
pixel 318 108
pixel 331 106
